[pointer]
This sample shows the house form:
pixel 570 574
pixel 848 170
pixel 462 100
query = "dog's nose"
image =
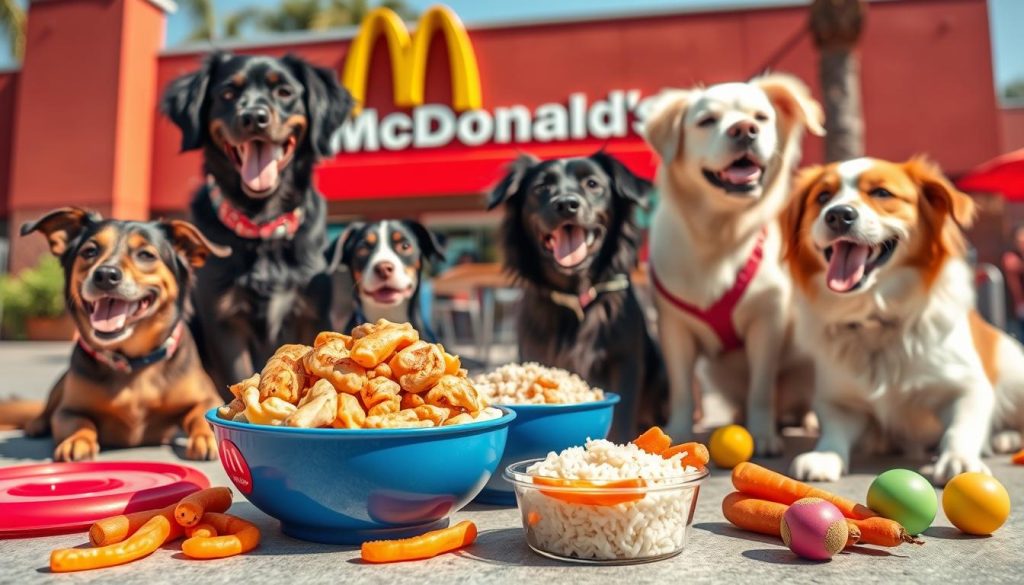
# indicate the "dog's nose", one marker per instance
pixel 384 270
pixel 841 218
pixel 255 118
pixel 107 277
pixel 568 205
pixel 743 132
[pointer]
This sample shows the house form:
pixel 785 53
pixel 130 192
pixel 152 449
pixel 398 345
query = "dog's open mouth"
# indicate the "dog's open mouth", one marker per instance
pixel 388 295
pixel 850 263
pixel 569 244
pixel 110 315
pixel 260 162
pixel 742 175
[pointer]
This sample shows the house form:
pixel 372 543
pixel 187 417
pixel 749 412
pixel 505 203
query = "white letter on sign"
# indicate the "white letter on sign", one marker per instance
pixel 433 125
pixel 395 131
pixel 359 133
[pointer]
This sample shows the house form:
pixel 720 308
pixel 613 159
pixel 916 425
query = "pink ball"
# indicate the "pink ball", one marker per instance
pixel 814 529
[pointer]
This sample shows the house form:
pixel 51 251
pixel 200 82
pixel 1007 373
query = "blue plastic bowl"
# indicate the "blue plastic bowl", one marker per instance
pixel 539 429
pixel 347 486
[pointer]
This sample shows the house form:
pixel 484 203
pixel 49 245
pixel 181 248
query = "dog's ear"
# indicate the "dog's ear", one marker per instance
pixel 190 243
pixel 62 227
pixel 792 100
pixel 510 185
pixel 328 104
pixel 432 243
pixel 186 101
pixel 939 192
pixel 624 182
pixel 793 215
pixel 340 252
pixel 663 128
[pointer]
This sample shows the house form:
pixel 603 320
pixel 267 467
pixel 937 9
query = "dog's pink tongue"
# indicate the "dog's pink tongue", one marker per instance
pixel 741 175
pixel 109 315
pixel 259 165
pixel 847 266
pixel 570 245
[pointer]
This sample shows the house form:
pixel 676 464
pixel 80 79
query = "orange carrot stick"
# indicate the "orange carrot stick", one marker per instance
pixel 696 454
pixel 192 507
pixel 424 546
pixel 1018 457
pixel 147 539
pixel 593 497
pixel 765 517
pixel 201 530
pixel 653 440
pixel 235 536
pixel 883 532
pixel 754 480
pixel 117 528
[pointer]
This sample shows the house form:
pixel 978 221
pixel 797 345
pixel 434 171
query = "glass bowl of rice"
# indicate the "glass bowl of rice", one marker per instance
pixel 605 503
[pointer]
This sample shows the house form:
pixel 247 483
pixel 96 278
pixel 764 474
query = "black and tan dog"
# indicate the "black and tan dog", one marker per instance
pixel 569 235
pixel 135 375
pixel 262 123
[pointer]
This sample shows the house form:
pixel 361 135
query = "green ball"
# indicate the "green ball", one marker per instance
pixel 906 497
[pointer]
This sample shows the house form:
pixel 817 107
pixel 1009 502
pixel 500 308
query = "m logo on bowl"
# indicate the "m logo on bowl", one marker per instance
pixel 235 466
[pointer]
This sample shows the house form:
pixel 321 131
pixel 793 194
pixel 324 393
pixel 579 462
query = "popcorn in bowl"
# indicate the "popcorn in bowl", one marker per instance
pixel 532 383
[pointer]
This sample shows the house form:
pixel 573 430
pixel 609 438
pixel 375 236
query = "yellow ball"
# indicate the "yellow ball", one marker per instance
pixel 730 446
pixel 976 503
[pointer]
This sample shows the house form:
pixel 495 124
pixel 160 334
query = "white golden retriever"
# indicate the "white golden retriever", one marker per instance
pixel 886 306
pixel 728 153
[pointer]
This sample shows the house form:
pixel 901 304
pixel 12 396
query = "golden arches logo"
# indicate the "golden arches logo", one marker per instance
pixel 409 54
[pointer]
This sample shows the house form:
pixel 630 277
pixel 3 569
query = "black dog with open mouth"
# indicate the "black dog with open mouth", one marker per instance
pixel 385 260
pixel 262 124
pixel 569 235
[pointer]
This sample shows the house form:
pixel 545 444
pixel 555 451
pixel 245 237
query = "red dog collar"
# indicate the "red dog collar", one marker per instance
pixel 282 227
pixel 122 363
pixel 718 316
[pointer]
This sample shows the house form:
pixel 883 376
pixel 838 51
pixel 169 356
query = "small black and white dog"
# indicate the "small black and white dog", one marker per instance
pixel 385 260
pixel 569 236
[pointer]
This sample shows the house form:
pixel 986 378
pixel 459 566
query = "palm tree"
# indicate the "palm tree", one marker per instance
pixel 203 17
pixel 319 15
pixel 12 23
pixel 836 26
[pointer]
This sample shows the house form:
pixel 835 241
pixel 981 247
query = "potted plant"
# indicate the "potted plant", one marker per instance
pixel 33 303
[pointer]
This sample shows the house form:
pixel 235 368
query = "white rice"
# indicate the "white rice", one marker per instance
pixel 517 384
pixel 651 527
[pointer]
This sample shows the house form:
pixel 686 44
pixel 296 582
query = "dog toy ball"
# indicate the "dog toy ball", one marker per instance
pixel 906 497
pixel 814 529
pixel 731 445
pixel 976 503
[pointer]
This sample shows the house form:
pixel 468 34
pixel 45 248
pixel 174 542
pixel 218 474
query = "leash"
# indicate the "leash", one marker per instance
pixel 280 228
pixel 718 316
pixel 578 303
pixel 122 363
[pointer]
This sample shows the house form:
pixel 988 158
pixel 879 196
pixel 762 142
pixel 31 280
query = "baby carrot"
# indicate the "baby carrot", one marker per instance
pixel 754 480
pixel 117 528
pixel 696 454
pixel 424 546
pixel 192 507
pixel 147 539
pixel 765 517
pixel 1018 457
pixel 235 536
pixel 593 497
pixel 653 440
pixel 883 532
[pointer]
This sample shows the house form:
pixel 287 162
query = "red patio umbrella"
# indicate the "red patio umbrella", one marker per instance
pixel 1003 175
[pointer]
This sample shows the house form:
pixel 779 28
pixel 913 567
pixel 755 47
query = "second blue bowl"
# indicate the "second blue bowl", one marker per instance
pixel 539 429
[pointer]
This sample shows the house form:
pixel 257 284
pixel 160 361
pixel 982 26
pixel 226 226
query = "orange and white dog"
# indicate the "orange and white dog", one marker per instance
pixel 885 304
pixel 728 154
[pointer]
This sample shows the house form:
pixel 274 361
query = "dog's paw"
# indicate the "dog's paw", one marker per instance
pixel 37 427
pixel 1006 442
pixel 76 448
pixel 818 466
pixel 201 447
pixel 952 464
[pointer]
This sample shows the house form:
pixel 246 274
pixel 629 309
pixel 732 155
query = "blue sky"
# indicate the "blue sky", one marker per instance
pixel 1006 18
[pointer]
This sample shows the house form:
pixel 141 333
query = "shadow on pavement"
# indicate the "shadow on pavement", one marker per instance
pixel 21 447
pixel 950 533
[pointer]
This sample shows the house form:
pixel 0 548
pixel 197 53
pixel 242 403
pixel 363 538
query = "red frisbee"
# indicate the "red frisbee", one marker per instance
pixel 51 498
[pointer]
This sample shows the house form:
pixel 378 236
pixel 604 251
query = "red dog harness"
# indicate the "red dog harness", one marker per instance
pixel 282 227
pixel 718 316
